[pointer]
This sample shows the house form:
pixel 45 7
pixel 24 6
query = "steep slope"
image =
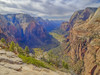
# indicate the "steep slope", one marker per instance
pixel 85 45
pixel 4 32
pixel 65 26
pixel 82 15
pixel 81 49
pixel 26 31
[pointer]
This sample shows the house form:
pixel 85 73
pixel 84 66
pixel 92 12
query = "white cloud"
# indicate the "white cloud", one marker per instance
pixel 51 9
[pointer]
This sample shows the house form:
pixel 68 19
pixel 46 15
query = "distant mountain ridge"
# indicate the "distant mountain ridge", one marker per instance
pixel 49 25
pixel 25 30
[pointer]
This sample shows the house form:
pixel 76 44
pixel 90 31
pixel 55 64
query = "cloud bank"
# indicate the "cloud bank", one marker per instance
pixel 49 9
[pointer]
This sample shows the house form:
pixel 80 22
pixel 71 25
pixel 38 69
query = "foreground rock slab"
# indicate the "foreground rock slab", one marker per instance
pixel 10 64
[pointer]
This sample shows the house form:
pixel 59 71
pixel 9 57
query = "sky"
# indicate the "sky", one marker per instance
pixel 47 9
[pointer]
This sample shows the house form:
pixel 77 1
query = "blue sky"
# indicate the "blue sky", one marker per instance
pixel 50 9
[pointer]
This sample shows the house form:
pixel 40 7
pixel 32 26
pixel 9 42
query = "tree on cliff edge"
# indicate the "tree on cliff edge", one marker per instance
pixel 27 50
pixel 12 45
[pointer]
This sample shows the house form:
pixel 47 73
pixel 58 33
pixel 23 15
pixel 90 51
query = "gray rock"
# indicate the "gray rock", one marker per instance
pixel 16 60
pixel 2 52
pixel 10 54
pixel 14 66
pixel 10 60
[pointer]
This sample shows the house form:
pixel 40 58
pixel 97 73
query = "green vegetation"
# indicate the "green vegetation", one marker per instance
pixel 65 65
pixel 53 59
pixel 3 40
pixel 38 63
pixel 38 52
pixel 78 66
pixel 59 31
pixel 12 45
pixel 27 50
pixel 3 44
pixel 59 37
pixel 21 51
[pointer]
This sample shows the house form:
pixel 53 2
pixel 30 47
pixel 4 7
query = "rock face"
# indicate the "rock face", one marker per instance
pixel 10 64
pixel 25 30
pixel 78 18
pixel 10 60
pixel 82 15
pixel 65 26
pixel 85 44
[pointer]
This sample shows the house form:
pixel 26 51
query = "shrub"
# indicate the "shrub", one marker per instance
pixel 53 59
pixel 65 65
pixel 3 40
pixel 78 66
pixel 31 60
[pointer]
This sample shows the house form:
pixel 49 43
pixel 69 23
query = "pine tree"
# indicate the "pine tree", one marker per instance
pixel 12 45
pixel 20 51
pixel 27 50
pixel 17 45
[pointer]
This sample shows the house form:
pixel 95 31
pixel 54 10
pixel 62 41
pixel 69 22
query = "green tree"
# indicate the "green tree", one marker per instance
pixel 27 50
pixel 21 51
pixel 17 45
pixel 3 40
pixel 17 48
pixel 12 45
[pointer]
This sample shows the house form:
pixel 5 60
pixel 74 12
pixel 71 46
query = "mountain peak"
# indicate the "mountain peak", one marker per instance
pixel 82 15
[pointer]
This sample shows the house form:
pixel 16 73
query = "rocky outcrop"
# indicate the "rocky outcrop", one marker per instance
pixel 82 15
pixel 10 60
pixel 85 44
pixel 65 26
pixel 10 64
pixel 78 17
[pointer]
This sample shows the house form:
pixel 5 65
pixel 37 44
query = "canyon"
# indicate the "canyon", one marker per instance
pixel 76 41
pixel 27 30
